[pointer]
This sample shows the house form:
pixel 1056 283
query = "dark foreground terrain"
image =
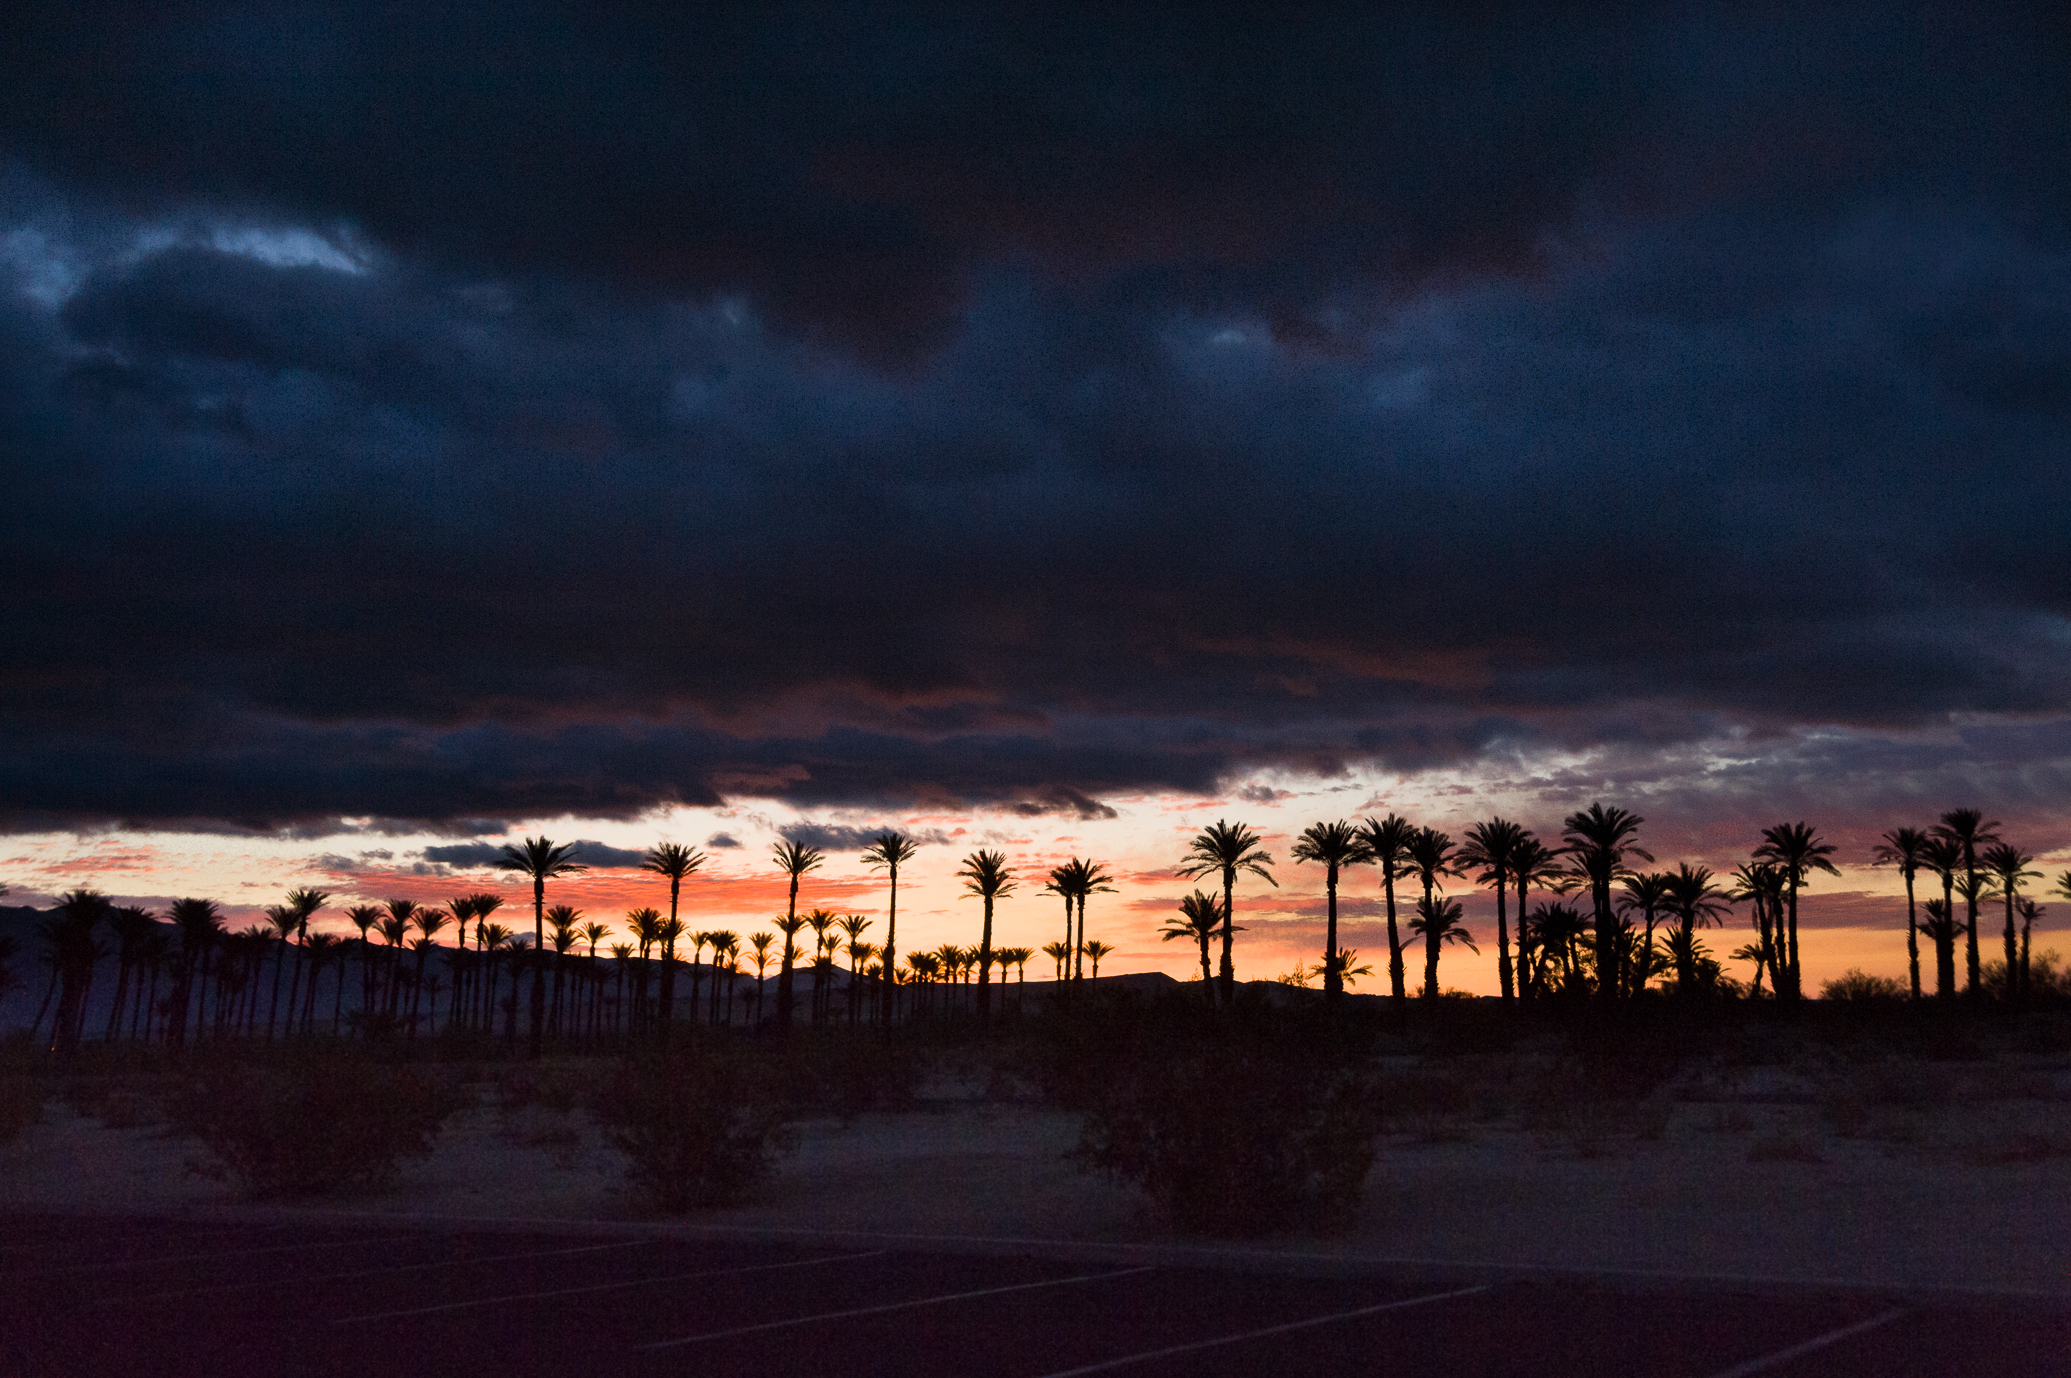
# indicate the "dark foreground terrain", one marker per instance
pixel 362 1297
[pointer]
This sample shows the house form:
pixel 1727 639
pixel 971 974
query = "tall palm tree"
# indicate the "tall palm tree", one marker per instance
pixel 1970 832
pixel 1532 865
pixel 1490 847
pixel 283 919
pixel 1388 840
pixel 1200 913
pixel 73 953
pixel 1797 851
pixel 674 860
pixel 1693 902
pixel 305 902
pixel 1944 857
pixel 1600 840
pixel 1437 921
pixel 1064 881
pixel 1906 848
pixel 888 853
pixel 429 922
pixel 1225 849
pixel 794 859
pixel 543 861
pixel 986 876
pixel 1431 860
pixel 1075 880
pixel 2008 867
pixel 1335 846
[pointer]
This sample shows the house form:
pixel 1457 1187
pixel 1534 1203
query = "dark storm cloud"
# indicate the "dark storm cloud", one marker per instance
pixel 473 855
pixel 839 837
pixel 455 420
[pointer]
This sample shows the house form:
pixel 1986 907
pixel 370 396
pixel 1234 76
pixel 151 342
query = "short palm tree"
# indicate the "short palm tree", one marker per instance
pixel 1058 953
pixel 1645 893
pixel 1600 840
pixel 1200 917
pixel 1906 848
pixel 1224 849
pixel 888 853
pixel 2008 867
pixel 1796 851
pixel 1533 866
pixel 542 860
pixel 1944 857
pixel 1348 966
pixel 1095 950
pixel 1489 850
pixel 794 859
pixel 1334 846
pixel 1388 840
pixel 1437 921
pixel 1694 902
pixel 1970 832
pixel 986 877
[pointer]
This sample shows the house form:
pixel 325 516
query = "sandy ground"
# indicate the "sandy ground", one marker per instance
pixel 1740 1188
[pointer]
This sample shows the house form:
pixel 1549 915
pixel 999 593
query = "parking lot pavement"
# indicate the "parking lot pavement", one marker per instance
pixel 176 1297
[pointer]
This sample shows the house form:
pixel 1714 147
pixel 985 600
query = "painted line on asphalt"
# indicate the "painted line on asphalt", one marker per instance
pixel 1149 1354
pixel 888 1306
pixel 378 1272
pixel 76 1239
pixel 1783 1356
pixel 200 1258
pixel 602 1287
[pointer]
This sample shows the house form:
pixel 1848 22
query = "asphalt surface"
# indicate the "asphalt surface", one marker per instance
pixel 130 1296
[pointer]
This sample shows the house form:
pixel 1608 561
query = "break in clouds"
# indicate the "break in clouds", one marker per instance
pixel 463 422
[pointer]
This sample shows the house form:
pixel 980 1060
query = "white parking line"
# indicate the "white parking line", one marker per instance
pixel 603 1287
pixel 198 1258
pixel 1784 1356
pixel 381 1272
pixel 888 1306
pixel 1146 1356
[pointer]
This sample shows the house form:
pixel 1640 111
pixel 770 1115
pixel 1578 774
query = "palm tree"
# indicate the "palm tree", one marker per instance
pixel 1200 913
pixel 305 902
pixel 1797 852
pixel 1335 845
pixel 1532 864
pixel 1600 840
pixel 1348 966
pixel 1941 929
pixel 853 928
pixel 1095 950
pixel 794 859
pixel 283 920
pixel 2031 914
pixel 1694 902
pixel 201 927
pixel 1430 859
pixel 542 860
pixel 760 943
pixel 674 860
pixel 133 930
pixel 1970 832
pixel 888 853
pixel 429 923
pixel 1438 921
pixel 2008 866
pixel 1060 953
pixel 985 876
pixel 1647 892
pixel 1491 846
pixel 1388 840
pixel 1225 849
pixel 72 953
pixel 820 921
pixel 1906 848
pixel 1944 857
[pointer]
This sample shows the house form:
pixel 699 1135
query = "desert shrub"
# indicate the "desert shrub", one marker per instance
pixel 1783 1147
pixel 311 1123
pixel 1860 985
pixel 695 1128
pixel 847 1074
pixel 1230 1141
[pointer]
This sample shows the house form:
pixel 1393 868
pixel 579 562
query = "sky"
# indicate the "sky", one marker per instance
pixel 1052 431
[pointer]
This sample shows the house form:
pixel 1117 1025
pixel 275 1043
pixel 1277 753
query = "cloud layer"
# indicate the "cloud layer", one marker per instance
pixel 458 423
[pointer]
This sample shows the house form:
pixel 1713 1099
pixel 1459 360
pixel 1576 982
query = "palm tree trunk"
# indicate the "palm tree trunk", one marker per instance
pixel 539 975
pixel 2013 963
pixel 1229 935
pixel 1333 979
pixel 1396 975
pixel 1797 976
pixel 1503 942
pixel 1912 936
pixel 1970 901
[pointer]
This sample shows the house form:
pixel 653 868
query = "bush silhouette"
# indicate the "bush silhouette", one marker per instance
pixel 695 1129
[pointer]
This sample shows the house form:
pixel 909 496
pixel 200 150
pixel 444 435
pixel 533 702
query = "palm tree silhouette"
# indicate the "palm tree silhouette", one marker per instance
pixel 986 877
pixel 888 853
pixel 1532 864
pixel 2008 867
pixel 1906 848
pixel 794 859
pixel 200 926
pixel 1970 832
pixel 1647 893
pixel 1944 857
pixel 1430 859
pixel 760 943
pixel 853 928
pixel 1438 922
pixel 1200 914
pixel 1388 840
pixel 1334 845
pixel 542 860
pixel 1600 840
pixel 1491 846
pixel 1095 950
pixel 1796 850
pixel 675 861
pixel 1348 966
pixel 2031 914
pixel 1058 953
pixel 1063 881
pixel 1225 849
pixel 429 924
pixel 1694 902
